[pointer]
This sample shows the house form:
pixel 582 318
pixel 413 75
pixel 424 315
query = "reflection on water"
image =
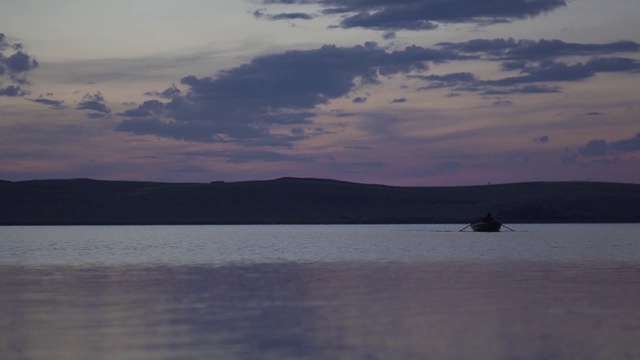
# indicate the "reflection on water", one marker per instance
pixel 322 310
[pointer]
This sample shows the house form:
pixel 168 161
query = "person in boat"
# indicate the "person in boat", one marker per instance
pixel 488 218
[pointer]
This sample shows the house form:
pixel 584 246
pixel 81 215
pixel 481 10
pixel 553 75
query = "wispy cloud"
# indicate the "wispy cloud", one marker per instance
pixel 537 62
pixel 260 14
pixel 53 104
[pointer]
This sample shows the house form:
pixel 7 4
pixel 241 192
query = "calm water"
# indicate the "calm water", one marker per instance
pixel 320 292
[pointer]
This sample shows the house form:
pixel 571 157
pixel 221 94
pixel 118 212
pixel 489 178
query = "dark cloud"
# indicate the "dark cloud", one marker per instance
pixel 20 62
pixel 54 104
pixel 627 145
pixel 94 102
pixel 13 91
pixel 94 97
pixel 246 104
pixel 398 100
pixel 389 35
pixel 392 15
pixel 594 148
pixel 530 50
pixel 94 105
pixel 282 16
pixel 552 71
pixel 14 65
pixel 148 108
pixel 170 129
pixel 340 114
pixel 537 63
pixel 96 115
pixel 243 103
pixel 359 100
pixel 513 65
pixel 538 89
pixel 600 148
pixel 448 80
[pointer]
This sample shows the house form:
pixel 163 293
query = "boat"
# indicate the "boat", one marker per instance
pixel 486 226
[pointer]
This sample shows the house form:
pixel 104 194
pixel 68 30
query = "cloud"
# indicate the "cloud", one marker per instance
pixel 94 105
pixel 13 91
pixel 627 145
pixel 260 14
pixel 14 65
pixel 526 89
pixel 594 148
pixel 20 62
pixel 242 104
pixel 537 63
pixel 53 104
pixel 389 35
pixel 599 147
pixel 531 50
pixel 552 71
pixel 259 103
pixel 447 80
pixel 94 102
pixel 148 108
pixel 394 15
pixel 503 103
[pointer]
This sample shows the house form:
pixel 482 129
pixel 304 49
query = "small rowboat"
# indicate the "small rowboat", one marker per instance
pixel 489 226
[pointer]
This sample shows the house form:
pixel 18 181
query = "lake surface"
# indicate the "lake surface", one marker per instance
pixel 320 292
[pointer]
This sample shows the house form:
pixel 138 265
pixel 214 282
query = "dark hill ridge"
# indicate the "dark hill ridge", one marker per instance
pixel 309 201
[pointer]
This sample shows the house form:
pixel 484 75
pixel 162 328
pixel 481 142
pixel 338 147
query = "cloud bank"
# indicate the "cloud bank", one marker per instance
pixel 269 100
pixel 537 64
pixel 242 104
pixel 394 15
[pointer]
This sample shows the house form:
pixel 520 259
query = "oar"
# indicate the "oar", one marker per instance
pixel 469 224
pixel 503 225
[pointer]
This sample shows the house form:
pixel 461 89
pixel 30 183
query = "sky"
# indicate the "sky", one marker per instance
pixel 397 92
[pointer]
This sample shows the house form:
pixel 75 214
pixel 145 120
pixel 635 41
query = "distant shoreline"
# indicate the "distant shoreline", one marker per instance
pixel 294 201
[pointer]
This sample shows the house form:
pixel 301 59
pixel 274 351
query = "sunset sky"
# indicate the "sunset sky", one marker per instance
pixel 398 92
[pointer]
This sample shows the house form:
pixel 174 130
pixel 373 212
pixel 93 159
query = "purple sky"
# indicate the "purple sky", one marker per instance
pixel 411 92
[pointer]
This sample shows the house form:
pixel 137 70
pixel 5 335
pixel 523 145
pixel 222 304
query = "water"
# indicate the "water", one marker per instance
pixel 320 292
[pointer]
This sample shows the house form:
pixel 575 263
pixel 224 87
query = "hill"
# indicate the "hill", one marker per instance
pixel 308 201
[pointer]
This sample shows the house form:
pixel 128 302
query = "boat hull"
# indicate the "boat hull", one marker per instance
pixel 492 226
